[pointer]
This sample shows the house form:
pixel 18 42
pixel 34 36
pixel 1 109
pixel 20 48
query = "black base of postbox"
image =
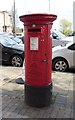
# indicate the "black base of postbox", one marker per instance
pixel 38 96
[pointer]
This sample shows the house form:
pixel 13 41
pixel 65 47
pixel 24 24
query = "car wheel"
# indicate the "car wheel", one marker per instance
pixel 16 61
pixel 60 64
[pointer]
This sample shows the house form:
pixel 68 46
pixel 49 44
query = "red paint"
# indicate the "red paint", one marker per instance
pixel 38 63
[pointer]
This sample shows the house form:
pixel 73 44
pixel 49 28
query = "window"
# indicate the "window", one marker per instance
pixel 54 35
pixel 72 47
pixel 6 41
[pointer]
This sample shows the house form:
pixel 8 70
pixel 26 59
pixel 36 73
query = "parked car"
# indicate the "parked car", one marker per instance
pixel 58 38
pixel 16 39
pixel 63 57
pixel 72 34
pixel 12 52
pixel 19 35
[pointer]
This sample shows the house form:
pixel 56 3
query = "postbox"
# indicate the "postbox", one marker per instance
pixel 38 58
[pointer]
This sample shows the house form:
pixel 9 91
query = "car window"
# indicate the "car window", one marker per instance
pixel 18 34
pixel 72 47
pixel 62 36
pixel 7 41
pixel 58 35
pixel 73 34
pixel 54 35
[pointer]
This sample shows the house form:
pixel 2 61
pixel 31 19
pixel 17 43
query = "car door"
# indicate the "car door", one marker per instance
pixel 6 53
pixel 72 55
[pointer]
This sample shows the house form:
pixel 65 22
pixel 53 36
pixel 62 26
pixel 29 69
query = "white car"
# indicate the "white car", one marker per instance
pixel 63 57
pixel 58 38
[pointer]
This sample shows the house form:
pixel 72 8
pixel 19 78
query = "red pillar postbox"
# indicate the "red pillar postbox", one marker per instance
pixel 38 58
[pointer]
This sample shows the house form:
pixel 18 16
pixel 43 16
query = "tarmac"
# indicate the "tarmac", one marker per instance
pixel 12 104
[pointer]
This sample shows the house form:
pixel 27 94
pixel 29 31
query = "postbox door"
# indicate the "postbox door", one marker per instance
pixel 37 58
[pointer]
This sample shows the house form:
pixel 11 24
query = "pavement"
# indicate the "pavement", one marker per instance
pixel 12 104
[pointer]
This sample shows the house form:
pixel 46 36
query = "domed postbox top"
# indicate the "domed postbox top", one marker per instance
pixel 38 18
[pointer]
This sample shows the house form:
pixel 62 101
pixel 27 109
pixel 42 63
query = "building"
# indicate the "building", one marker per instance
pixel 5 22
